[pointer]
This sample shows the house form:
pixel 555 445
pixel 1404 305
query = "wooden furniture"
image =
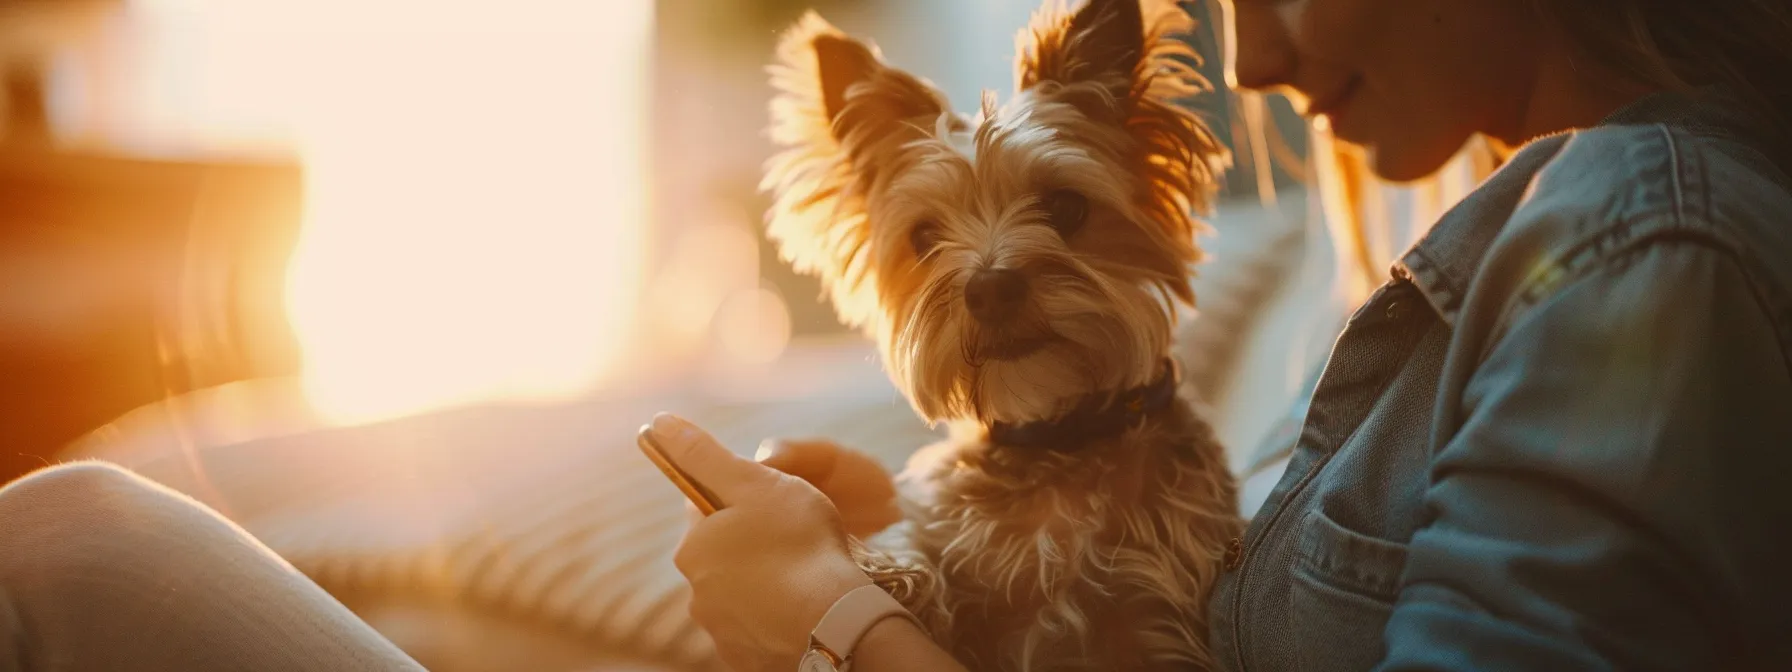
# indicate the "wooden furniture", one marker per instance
pixel 123 280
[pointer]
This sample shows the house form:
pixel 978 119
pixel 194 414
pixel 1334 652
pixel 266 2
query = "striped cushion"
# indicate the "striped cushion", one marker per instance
pixel 537 538
pixel 543 520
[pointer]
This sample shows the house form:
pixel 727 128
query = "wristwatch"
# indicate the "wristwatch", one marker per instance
pixel 832 641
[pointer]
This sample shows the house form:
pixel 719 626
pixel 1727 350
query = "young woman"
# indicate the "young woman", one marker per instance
pixel 1555 438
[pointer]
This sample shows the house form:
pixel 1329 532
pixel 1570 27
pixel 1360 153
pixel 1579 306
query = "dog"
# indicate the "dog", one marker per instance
pixel 1021 271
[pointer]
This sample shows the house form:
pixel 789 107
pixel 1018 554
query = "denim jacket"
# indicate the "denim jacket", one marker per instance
pixel 1560 436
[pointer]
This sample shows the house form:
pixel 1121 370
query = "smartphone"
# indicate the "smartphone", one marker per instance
pixel 706 501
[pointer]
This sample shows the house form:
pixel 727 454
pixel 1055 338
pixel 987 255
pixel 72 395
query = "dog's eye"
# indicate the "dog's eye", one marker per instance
pixel 1066 210
pixel 924 237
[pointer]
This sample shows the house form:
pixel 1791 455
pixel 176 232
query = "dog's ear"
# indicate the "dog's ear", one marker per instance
pixel 824 76
pixel 1122 63
pixel 1103 42
pixel 844 65
pixel 842 118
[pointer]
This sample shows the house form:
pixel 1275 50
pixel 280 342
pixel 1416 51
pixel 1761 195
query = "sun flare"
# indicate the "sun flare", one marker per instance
pixel 475 183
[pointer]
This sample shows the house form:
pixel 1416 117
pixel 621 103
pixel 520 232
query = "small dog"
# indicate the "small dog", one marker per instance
pixel 1020 271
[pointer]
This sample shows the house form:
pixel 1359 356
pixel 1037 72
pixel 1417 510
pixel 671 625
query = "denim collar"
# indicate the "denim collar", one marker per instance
pixel 1442 264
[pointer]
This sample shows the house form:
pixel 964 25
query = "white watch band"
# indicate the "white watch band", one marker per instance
pixel 852 616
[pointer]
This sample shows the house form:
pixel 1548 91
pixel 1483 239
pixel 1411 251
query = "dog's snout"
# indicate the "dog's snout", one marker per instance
pixel 995 294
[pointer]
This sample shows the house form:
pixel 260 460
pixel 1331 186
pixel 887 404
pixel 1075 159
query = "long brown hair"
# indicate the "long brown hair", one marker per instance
pixel 1743 46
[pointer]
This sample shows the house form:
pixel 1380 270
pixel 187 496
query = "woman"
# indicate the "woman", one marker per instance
pixel 1553 439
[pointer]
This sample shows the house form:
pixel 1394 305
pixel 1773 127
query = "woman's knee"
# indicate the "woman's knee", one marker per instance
pixel 89 479
pixel 71 527
pixel 89 496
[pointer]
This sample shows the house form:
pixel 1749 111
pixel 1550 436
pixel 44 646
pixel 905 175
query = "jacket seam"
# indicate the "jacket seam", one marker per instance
pixel 1674 167
pixel 1534 293
pixel 1779 313
pixel 1575 262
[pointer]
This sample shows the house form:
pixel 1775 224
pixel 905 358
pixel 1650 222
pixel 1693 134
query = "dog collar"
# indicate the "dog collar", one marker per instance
pixel 1097 416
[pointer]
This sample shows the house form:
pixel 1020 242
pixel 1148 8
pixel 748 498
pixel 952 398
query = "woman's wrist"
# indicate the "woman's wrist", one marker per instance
pixel 898 644
pixel 891 644
pixel 823 583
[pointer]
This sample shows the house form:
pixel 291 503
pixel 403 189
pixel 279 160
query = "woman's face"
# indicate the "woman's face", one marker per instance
pixel 1409 81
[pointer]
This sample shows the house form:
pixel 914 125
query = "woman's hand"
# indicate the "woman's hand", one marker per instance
pixel 860 488
pixel 765 568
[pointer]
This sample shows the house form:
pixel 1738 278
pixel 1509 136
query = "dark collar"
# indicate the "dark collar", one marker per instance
pixel 1098 416
pixel 1445 260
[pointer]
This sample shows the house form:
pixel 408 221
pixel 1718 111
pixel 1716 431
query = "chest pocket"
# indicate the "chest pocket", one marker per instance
pixel 1344 587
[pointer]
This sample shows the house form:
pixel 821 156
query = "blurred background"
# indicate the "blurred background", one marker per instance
pixel 391 282
pixel 419 205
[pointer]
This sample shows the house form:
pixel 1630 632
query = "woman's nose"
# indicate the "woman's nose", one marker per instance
pixel 1263 53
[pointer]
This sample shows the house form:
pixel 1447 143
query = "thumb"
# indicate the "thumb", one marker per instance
pixel 704 460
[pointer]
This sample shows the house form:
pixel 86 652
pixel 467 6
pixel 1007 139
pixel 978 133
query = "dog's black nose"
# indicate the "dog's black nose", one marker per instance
pixel 995 294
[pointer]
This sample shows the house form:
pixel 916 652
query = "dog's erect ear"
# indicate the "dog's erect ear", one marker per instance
pixel 840 63
pixel 1103 42
pixel 835 92
pixel 842 118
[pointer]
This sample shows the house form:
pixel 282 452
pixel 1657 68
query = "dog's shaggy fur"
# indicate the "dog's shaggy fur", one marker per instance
pixel 1097 555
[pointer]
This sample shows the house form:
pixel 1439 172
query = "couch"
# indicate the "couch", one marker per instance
pixel 536 538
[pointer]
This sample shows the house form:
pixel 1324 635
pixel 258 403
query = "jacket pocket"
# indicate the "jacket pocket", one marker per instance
pixel 1344 588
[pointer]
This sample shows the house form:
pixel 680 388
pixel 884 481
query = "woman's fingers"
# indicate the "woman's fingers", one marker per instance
pixel 810 460
pixel 859 487
pixel 731 477
pixel 712 540
pixel 765 569
pixel 830 468
pixel 863 522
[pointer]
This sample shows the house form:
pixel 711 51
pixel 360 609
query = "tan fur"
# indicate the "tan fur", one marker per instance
pixel 1098 557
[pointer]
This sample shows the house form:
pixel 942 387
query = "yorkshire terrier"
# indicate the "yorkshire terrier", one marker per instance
pixel 1021 271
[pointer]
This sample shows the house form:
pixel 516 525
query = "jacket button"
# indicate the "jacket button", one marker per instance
pixel 1234 554
pixel 1396 309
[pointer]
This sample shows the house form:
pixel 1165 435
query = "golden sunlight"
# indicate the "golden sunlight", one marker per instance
pixel 476 187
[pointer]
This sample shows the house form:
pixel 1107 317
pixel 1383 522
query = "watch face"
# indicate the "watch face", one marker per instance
pixel 815 661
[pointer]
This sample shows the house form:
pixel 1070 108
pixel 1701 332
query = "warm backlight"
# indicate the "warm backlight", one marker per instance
pixel 475 184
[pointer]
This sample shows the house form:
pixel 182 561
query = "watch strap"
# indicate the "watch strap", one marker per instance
pixel 853 615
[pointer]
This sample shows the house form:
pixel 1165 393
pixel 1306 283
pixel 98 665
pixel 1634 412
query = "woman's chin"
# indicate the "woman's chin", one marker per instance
pixel 1401 162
